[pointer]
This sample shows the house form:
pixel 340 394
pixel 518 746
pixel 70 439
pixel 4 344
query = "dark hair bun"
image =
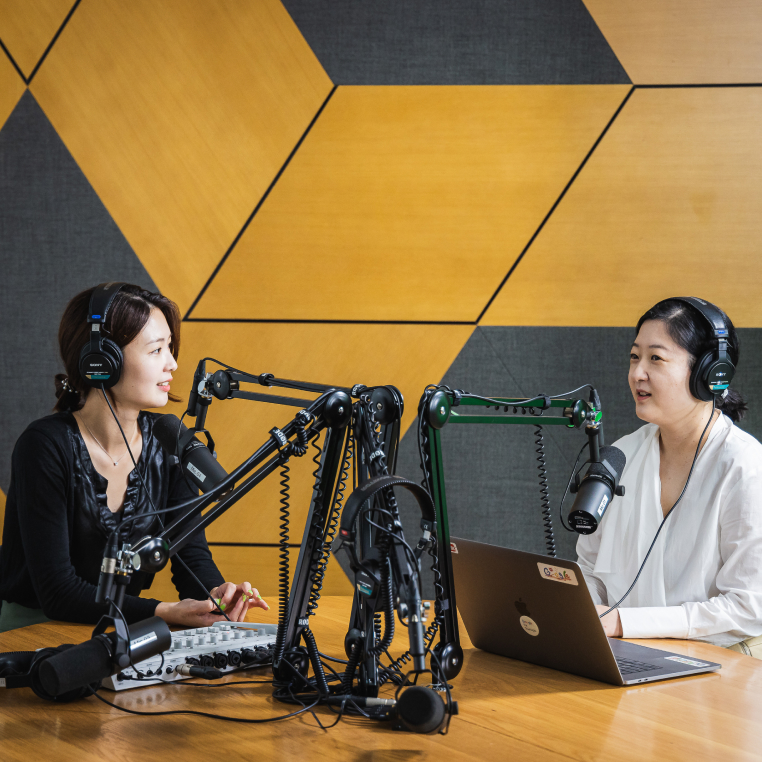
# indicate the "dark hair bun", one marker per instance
pixel 733 405
pixel 68 397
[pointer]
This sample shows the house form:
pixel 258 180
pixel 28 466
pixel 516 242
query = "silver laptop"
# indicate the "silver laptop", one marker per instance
pixel 538 609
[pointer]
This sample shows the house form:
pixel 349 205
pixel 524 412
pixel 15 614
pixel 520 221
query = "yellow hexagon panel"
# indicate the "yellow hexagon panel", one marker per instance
pixel 259 566
pixel 408 357
pixel 683 41
pixel 668 205
pixel 180 113
pixel 28 26
pixel 409 203
pixel 11 88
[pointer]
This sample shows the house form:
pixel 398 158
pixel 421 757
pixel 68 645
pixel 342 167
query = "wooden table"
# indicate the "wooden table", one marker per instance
pixel 508 711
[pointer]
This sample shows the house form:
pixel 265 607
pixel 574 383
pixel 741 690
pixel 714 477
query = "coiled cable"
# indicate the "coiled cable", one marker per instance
pixel 547 512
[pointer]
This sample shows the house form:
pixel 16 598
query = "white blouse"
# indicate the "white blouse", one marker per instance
pixel 703 579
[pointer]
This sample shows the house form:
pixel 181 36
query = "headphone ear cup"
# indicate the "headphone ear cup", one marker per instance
pixel 108 362
pixel 697 382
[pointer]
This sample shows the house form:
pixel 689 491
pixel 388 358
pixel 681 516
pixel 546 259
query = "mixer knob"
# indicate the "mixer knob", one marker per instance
pixel 225 636
pixel 237 635
pixel 213 639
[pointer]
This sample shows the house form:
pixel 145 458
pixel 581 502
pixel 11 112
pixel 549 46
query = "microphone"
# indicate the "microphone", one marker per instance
pixel 596 490
pixel 108 567
pixel 196 460
pixel 95 659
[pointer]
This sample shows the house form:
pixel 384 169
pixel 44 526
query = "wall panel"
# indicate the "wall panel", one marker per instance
pixel 28 26
pixel 668 203
pixel 684 41
pixel 180 113
pixel 409 203
pixel 11 89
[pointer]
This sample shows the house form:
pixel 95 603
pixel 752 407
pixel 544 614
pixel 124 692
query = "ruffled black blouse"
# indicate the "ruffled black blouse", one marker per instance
pixel 57 522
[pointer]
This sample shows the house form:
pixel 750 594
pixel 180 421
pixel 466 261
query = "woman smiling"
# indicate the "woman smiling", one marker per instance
pixel 703 578
pixel 73 481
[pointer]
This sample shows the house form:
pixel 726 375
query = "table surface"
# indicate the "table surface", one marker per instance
pixel 508 710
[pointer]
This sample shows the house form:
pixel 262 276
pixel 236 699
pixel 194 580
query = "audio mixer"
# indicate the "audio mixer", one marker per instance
pixel 225 646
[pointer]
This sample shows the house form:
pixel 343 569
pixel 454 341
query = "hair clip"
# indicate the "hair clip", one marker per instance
pixel 67 387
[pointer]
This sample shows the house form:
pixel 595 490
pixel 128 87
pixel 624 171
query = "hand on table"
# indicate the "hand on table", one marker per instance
pixel 236 600
pixel 612 624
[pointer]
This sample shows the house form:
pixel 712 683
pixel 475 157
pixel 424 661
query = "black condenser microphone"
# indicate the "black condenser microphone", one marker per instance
pixel 596 490
pixel 197 462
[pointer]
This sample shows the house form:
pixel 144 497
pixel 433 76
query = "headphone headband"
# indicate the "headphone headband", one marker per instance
pixel 711 314
pixel 101 300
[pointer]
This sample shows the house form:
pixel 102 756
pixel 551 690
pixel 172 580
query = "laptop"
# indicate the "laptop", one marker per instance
pixel 538 609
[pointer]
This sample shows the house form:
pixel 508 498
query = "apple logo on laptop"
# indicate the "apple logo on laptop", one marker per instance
pixel 527 623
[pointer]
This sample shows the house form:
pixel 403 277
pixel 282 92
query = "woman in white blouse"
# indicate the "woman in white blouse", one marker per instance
pixel 703 579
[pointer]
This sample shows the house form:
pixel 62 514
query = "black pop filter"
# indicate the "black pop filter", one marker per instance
pixel 421 710
pixel 89 662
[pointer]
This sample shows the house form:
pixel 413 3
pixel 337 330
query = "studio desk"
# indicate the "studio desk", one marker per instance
pixel 509 710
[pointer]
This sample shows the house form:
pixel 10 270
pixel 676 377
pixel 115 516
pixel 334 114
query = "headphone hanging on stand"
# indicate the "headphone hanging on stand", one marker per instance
pixel 713 370
pixel 101 360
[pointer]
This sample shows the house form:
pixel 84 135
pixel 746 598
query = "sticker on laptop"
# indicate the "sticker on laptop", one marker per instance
pixel 557 573
pixel 453 548
pixel 689 662
pixel 529 625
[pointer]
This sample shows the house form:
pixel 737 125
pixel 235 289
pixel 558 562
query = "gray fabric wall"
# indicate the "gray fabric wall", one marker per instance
pixel 56 239
pixel 491 472
pixel 457 42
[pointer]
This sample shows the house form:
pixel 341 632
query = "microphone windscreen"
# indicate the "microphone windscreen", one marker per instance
pixel 89 662
pixel 616 459
pixel 165 429
pixel 420 709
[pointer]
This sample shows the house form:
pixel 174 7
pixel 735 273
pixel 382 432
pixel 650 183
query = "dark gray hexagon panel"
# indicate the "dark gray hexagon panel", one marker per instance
pixel 457 42
pixel 57 239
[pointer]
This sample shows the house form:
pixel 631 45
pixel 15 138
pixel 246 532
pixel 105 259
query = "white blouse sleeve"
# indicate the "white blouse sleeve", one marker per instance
pixel 587 553
pixel 736 610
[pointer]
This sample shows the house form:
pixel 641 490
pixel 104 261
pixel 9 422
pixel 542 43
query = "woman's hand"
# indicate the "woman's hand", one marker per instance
pixel 189 613
pixel 612 624
pixel 236 600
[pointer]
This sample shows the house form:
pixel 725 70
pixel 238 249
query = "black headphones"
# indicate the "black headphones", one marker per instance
pixel 713 370
pixel 101 360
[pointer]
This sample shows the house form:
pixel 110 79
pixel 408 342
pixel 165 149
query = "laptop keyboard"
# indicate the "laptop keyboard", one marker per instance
pixel 628 666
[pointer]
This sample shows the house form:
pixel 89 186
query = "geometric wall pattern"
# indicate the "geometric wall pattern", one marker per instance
pixel 488 193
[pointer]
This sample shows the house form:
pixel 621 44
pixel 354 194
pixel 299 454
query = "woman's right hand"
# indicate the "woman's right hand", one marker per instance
pixel 189 613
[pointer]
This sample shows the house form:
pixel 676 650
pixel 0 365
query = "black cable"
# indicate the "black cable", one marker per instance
pixel 547 512
pixel 205 714
pixel 669 512
pixel 568 484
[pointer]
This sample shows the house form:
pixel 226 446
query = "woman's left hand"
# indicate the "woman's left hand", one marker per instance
pixel 612 624
pixel 236 600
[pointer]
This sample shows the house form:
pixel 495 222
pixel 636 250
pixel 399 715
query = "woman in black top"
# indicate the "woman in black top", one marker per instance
pixel 73 482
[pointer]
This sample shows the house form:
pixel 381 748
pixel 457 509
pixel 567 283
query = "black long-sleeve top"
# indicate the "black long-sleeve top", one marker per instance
pixel 57 522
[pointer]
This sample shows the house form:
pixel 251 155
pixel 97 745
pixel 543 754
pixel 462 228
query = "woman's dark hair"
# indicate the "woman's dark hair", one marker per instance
pixel 128 314
pixel 689 329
